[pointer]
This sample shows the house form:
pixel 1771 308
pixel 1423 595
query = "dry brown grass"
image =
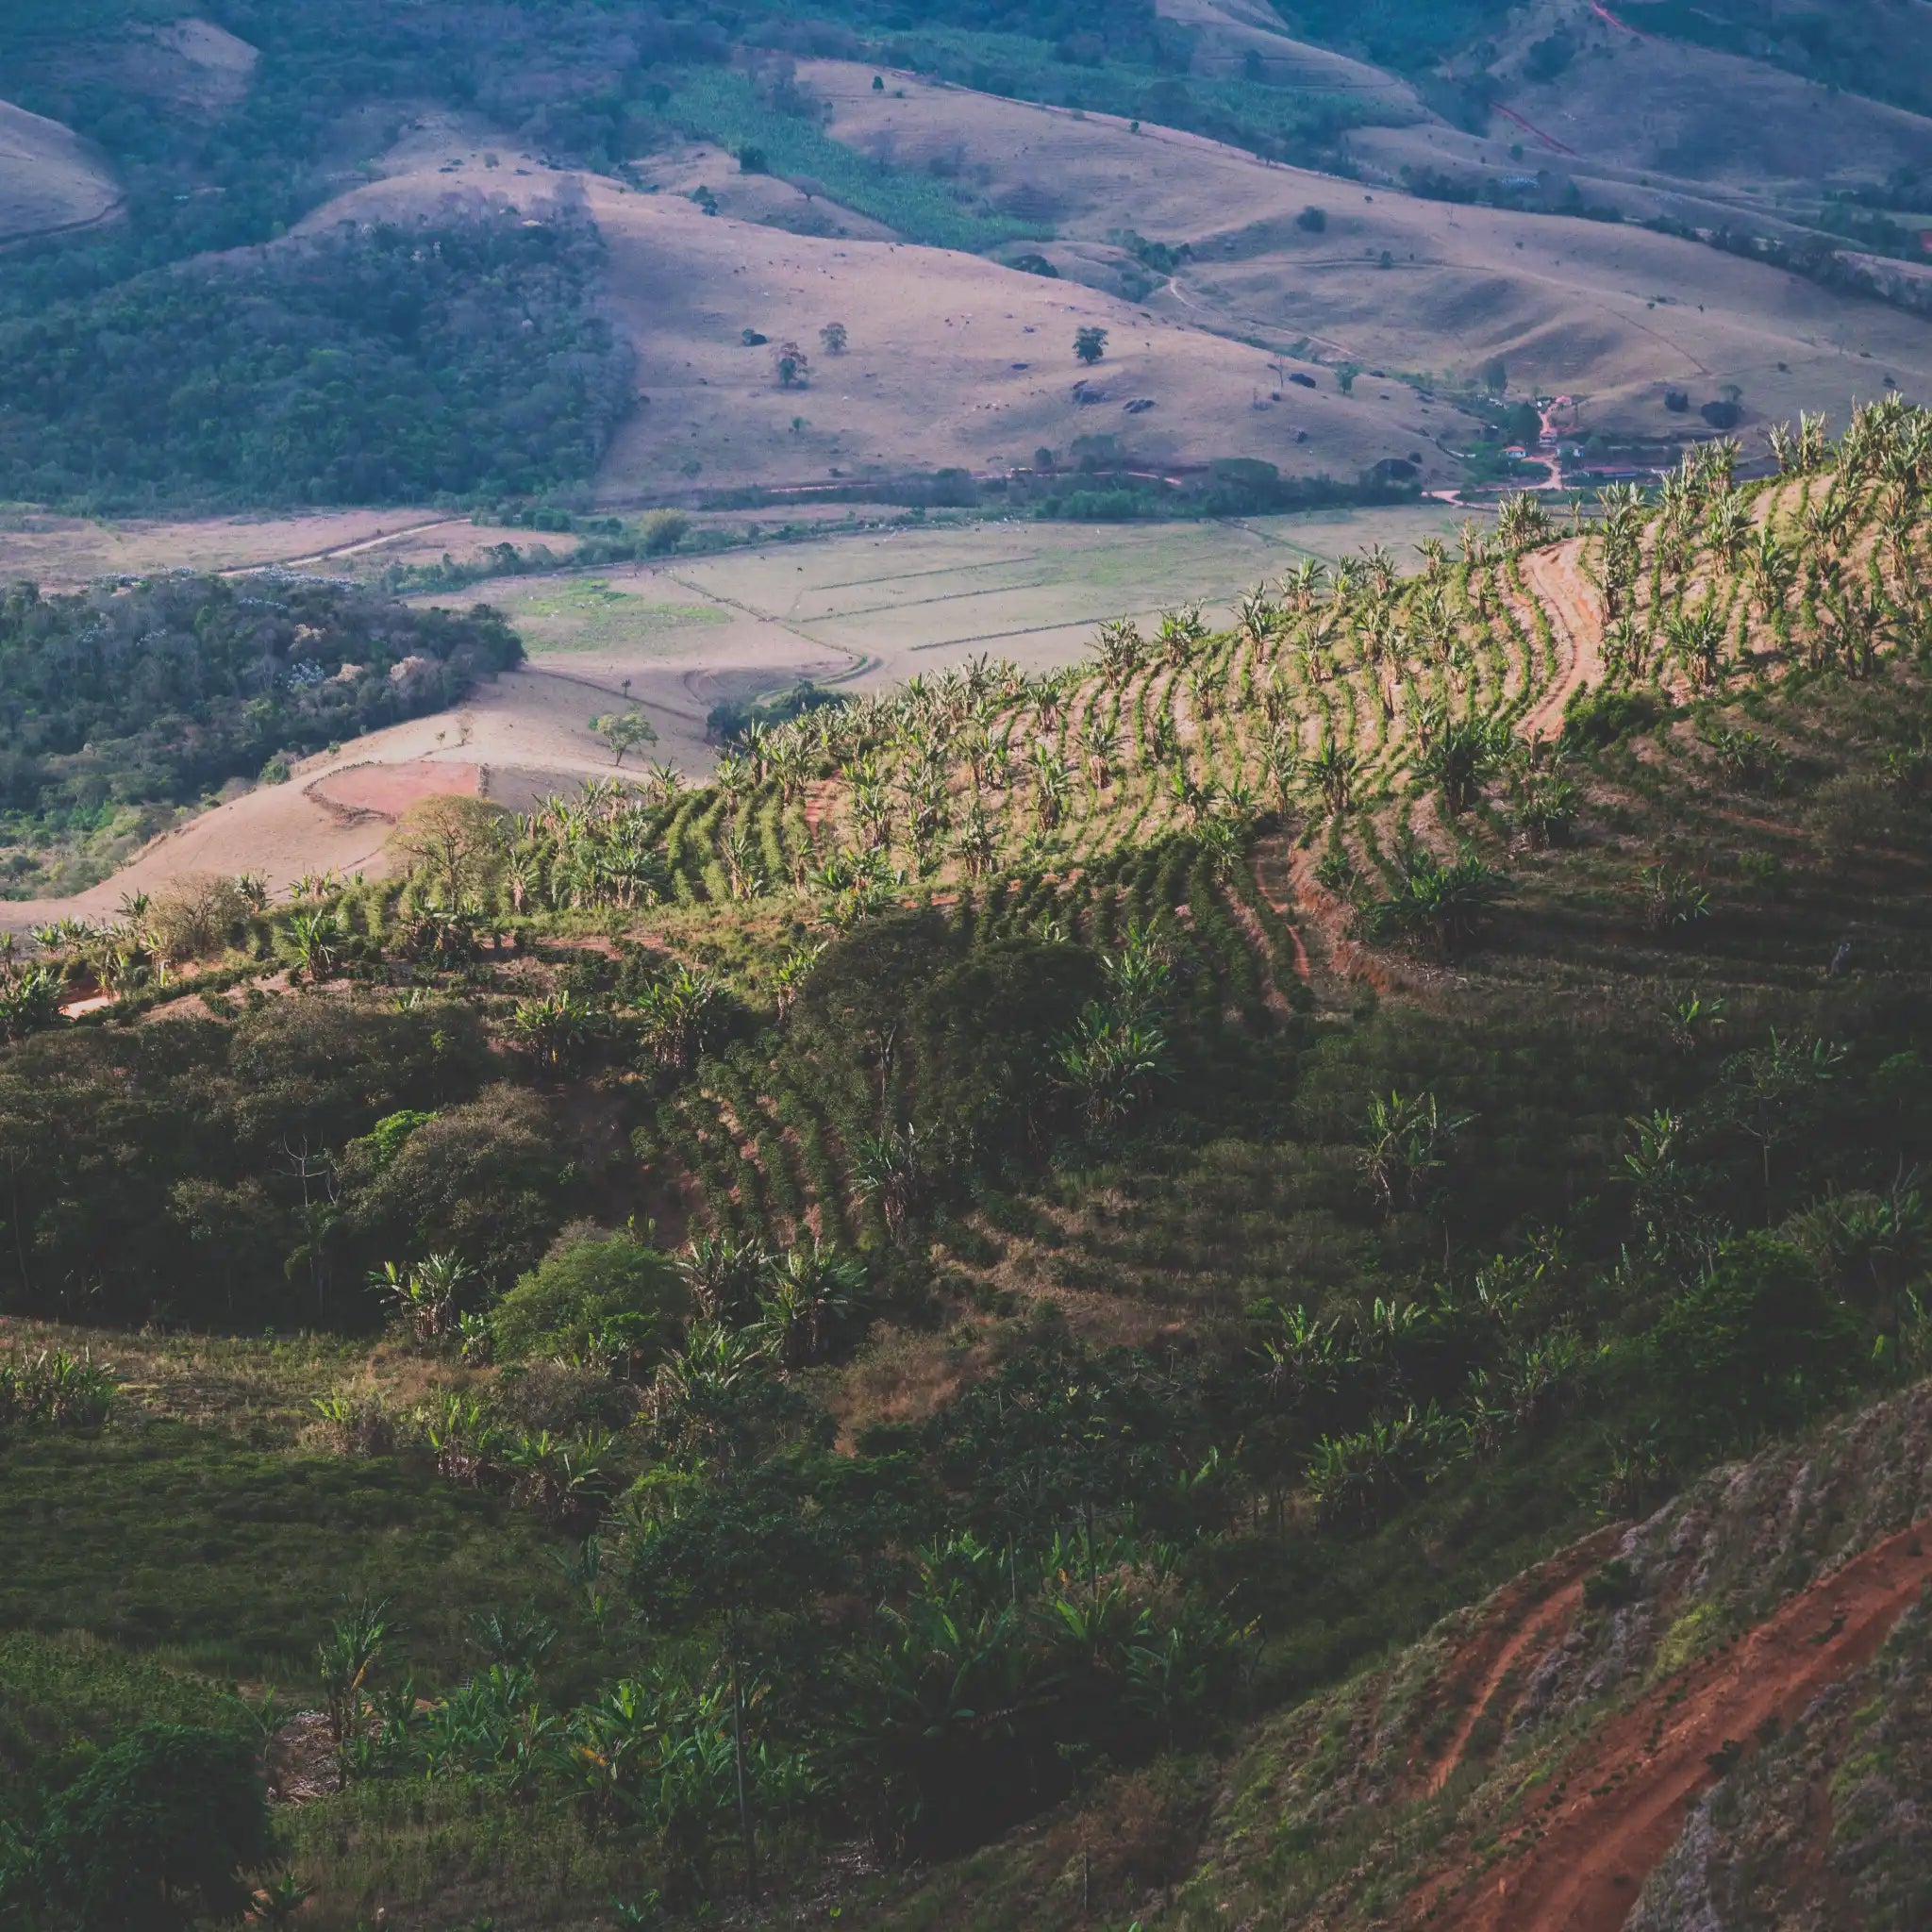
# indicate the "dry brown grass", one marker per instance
pixel 1612 315
pixel 906 1375
pixel 50 181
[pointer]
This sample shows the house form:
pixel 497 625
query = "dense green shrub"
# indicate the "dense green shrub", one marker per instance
pixel 484 1179
pixel 160 1832
pixel 372 365
pixel 606 1296
pixel 1757 1338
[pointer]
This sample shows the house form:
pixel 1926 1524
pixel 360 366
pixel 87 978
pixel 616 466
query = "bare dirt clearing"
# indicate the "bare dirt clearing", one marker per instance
pixel 530 729
pixel 387 791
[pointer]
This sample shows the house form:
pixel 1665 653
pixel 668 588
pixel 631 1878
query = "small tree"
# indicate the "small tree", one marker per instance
pixel 457 842
pixel 1409 1140
pixel 1090 344
pixel 792 365
pixel 157 1835
pixel 832 337
pixel 604 1297
pixel 623 731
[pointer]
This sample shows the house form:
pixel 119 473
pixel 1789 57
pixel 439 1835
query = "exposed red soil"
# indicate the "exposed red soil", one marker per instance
pixel 387 791
pixel 1535 1609
pixel 1580 1867
pixel 1330 916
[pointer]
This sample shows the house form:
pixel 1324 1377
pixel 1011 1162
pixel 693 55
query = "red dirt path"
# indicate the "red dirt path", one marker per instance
pixel 1534 1610
pixel 1583 1872
pixel 1552 577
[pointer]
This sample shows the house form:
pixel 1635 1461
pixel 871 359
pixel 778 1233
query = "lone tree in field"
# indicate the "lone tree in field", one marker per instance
pixel 623 731
pixel 832 337
pixel 1090 344
pixel 457 842
pixel 791 364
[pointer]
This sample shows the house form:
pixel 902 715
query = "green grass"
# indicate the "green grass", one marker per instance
pixel 457 1849
pixel 722 108
pixel 592 614
pixel 60 1694
pixel 161 1536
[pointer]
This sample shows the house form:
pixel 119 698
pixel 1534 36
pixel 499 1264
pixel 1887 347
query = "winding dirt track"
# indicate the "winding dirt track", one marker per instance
pixel 1554 580
pixel 1583 1869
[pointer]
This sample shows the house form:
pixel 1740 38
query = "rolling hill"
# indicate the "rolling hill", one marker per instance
pixel 1120 1121
pixel 1722 260
pixel 49 183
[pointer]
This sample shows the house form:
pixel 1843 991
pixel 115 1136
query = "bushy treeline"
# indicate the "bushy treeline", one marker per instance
pixel 158 692
pixel 376 364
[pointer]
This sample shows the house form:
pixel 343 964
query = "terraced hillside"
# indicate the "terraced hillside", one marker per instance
pixel 1619 732
pixel 1018 1238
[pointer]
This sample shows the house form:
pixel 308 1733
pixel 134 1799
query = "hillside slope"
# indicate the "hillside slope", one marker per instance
pixel 50 183
pixel 1039 1225
pixel 952 360
pixel 1693 1720
pixel 1213 269
pixel 1616 314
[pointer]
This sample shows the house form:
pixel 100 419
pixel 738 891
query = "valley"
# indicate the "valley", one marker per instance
pixel 966 969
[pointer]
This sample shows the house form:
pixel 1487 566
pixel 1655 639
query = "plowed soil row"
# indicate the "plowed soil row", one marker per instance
pixel 1582 1870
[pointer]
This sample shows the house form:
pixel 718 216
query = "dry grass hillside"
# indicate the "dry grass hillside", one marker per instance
pixel 49 181
pixel 1631 98
pixel 953 360
pixel 1615 314
pixel 1226 31
pixel 181 64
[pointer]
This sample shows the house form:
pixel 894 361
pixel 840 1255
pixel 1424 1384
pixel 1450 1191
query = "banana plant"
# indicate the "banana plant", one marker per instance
pixel 344 1659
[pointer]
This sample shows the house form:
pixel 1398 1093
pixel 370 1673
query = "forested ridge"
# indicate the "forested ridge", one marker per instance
pixel 154 695
pixel 1020 1225
pixel 394 363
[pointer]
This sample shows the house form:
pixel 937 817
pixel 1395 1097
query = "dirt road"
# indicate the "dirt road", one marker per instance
pixel 1557 582
pixel 1584 1865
